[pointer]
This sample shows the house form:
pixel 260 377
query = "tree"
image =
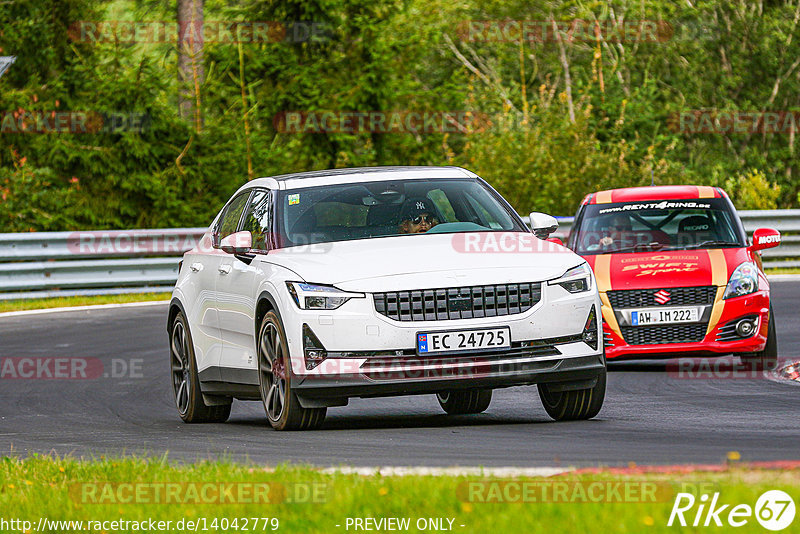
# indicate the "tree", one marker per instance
pixel 190 59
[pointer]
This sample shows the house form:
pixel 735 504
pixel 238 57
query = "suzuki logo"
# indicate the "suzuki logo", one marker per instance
pixel 662 297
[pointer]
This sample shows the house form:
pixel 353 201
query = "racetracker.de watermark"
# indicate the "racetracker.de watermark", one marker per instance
pixel 149 242
pixel 69 368
pixel 699 121
pixel 729 368
pixel 397 121
pixel 116 242
pixel 502 243
pixel 405 367
pixel 216 32
pixel 574 491
pixel 72 122
pixel 198 492
pixel 566 31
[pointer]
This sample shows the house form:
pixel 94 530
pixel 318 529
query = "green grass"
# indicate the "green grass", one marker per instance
pixel 59 302
pixel 794 270
pixel 316 502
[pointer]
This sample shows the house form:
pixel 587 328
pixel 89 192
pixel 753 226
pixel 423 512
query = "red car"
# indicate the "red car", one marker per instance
pixel 676 274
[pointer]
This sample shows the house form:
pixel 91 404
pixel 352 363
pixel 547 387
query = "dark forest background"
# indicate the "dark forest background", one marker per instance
pixel 567 116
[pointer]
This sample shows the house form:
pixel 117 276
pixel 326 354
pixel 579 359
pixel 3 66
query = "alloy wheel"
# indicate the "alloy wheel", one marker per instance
pixel 181 377
pixel 272 370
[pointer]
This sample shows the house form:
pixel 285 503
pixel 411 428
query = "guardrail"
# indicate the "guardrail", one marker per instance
pixel 91 263
pixel 43 264
pixel 39 246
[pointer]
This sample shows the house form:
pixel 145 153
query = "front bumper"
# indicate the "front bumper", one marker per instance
pixel 368 354
pixel 753 305
pixel 405 378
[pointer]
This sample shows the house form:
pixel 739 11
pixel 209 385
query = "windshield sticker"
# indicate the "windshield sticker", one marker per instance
pixel 657 206
pixel 294 199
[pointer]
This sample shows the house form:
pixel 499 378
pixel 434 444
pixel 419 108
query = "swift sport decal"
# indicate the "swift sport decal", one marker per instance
pixel 656 265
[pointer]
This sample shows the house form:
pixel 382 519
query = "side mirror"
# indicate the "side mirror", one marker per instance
pixel 542 224
pixel 765 238
pixel 237 243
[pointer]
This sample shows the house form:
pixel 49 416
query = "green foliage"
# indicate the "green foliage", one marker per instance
pixel 33 194
pixel 393 55
pixel 752 191
pixel 545 163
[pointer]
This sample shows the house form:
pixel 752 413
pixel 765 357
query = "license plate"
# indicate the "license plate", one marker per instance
pixel 664 316
pixel 463 340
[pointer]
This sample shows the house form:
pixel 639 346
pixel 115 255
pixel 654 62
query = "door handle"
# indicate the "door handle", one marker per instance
pixel 225 269
pixel 196 267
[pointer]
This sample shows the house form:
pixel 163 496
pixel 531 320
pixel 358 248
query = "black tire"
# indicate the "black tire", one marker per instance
pixel 185 382
pixel 275 381
pixel 464 402
pixel 767 359
pixel 574 405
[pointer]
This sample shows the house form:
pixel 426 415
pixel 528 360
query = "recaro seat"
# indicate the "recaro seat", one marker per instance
pixel 696 229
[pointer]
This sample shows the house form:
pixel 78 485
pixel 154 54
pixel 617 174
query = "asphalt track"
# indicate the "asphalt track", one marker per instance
pixel 649 417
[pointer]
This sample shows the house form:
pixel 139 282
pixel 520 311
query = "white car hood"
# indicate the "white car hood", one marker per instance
pixel 427 261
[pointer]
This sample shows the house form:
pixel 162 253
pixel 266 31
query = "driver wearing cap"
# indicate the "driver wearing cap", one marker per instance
pixel 619 229
pixel 417 216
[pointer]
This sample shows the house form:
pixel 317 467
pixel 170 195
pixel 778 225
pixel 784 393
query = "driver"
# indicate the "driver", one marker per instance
pixel 618 228
pixel 417 216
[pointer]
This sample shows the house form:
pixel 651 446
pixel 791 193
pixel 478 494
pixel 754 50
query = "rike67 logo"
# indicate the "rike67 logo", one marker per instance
pixel 774 510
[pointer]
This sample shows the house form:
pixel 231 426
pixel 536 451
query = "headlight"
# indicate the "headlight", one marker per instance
pixel 576 280
pixel 744 280
pixel 317 297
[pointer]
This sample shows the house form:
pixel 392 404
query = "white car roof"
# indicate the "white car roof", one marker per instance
pixel 356 175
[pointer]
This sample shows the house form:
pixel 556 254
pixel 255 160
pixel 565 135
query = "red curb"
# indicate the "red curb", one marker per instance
pixel 687 468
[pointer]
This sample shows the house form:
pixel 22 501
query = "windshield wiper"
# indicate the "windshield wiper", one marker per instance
pixel 710 243
pixel 637 247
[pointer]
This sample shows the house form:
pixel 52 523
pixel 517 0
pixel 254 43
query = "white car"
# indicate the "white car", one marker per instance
pixel 311 288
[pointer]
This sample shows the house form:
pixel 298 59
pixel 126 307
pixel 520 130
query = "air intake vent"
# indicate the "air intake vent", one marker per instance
pixel 656 335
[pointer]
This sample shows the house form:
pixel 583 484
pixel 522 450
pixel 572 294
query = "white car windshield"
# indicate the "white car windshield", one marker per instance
pixel 390 208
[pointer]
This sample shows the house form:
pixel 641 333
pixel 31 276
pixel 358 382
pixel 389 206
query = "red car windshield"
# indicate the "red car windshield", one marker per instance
pixel 656 225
